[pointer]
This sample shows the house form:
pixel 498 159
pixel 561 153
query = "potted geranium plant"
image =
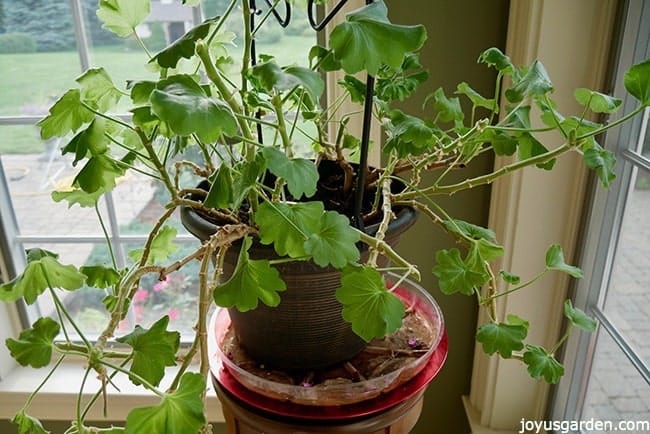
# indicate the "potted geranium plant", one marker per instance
pixel 266 205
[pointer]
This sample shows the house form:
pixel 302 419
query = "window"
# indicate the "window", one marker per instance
pixel 44 44
pixel 610 379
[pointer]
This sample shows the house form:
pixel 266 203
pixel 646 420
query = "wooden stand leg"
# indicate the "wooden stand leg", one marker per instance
pixel 243 419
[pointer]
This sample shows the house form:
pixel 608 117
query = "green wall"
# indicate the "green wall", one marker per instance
pixel 458 31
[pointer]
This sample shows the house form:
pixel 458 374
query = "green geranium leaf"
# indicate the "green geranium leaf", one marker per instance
pixel 272 77
pixel 27 424
pixel 220 194
pixel 533 84
pixel 99 276
pixel 516 320
pixel 447 109
pixel 579 318
pixel 530 147
pixel 555 261
pixel 409 135
pixel 454 275
pixel 637 82
pixel 367 304
pixel 98 90
pixel 144 118
pixel 184 46
pixel 321 56
pixel 355 87
pixel 99 174
pixel 66 115
pixel 597 102
pixel 542 364
pixel 42 267
pixel 77 196
pixel 122 16
pixel 367 40
pixel 141 91
pixel 248 172
pixel 502 143
pixel 470 230
pixel 487 250
pixel 288 226
pixel 510 278
pixel 162 246
pixel 34 345
pixel 502 338
pixel 153 350
pixel 301 174
pixel 178 412
pixel 334 242
pixel 476 98
pixel 182 103
pixel 602 161
pixel 494 57
pixel 251 281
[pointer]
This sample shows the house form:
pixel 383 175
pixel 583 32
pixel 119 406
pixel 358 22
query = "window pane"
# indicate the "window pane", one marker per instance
pixel 34 169
pixel 38 57
pixel 616 391
pixel 175 296
pixel 628 297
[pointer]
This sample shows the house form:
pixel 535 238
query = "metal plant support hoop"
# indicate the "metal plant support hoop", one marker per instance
pixel 367 105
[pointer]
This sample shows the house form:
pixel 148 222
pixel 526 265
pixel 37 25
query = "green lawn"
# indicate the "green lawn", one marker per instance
pixel 32 82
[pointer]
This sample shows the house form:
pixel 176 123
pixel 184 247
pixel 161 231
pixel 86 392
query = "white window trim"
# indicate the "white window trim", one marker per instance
pixel 502 392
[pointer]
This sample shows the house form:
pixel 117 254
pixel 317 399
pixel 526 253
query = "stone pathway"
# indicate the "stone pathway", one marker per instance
pixel 617 392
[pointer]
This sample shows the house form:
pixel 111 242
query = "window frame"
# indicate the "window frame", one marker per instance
pixel 604 224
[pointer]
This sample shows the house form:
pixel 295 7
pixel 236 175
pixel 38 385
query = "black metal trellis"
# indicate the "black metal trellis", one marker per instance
pixel 370 84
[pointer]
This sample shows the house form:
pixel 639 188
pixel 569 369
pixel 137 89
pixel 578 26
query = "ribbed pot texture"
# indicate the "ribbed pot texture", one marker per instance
pixel 307 330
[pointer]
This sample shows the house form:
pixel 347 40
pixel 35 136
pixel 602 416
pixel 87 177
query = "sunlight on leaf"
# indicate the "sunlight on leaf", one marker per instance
pixel 98 90
pixel 66 115
pixel 42 267
pixel 122 16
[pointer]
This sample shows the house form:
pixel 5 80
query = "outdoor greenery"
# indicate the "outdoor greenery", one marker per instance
pixel 270 192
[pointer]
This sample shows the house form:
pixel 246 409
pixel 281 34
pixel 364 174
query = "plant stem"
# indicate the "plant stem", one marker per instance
pixel 510 291
pixel 385 249
pixel 613 124
pixel 79 396
pixel 489 178
pixel 135 376
pixel 160 168
pixel 106 236
pixel 226 94
pixel 42 383
pixel 282 125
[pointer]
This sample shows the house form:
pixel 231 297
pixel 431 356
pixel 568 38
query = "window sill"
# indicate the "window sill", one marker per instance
pixel 57 400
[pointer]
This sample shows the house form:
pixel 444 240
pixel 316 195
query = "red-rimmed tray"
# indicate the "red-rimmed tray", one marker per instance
pixel 351 411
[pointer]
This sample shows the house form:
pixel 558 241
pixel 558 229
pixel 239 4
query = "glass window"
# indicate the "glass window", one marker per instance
pixel 611 375
pixel 44 45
